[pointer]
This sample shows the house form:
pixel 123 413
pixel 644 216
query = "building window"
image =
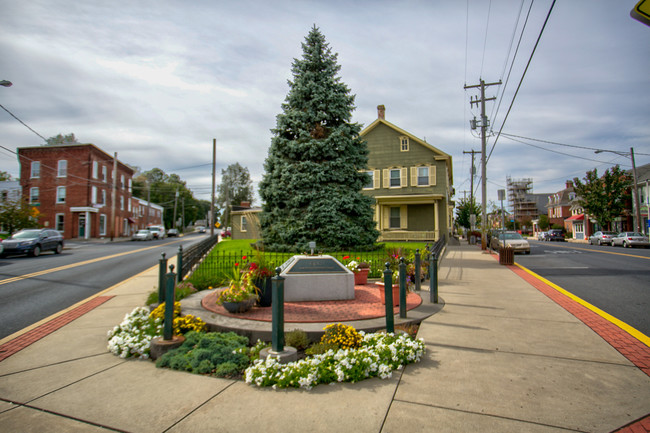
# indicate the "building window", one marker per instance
pixel 244 224
pixel 94 174
pixel 395 176
pixel 62 169
pixel 36 170
pixel 122 181
pixel 60 219
pixel 423 176
pixel 404 144
pixel 33 195
pixel 60 194
pixel 121 203
pixel 130 186
pixel 394 222
pixel 102 225
pixel 103 196
pixel 370 182
pixel 104 173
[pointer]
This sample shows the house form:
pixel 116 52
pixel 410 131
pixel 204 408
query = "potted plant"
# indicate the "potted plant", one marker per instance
pixel 360 270
pixel 241 293
pixel 395 288
pixel 261 275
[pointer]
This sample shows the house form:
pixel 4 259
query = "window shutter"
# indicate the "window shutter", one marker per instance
pixel 403 183
pixel 386 178
pixel 376 179
pixel 403 216
pixel 414 176
pixel 385 217
pixel 432 175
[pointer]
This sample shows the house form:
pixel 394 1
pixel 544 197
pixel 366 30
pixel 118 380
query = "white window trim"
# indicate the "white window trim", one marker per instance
pixel 58 194
pixel 404 144
pixel 94 173
pixel 244 224
pixel 56 221
pixel 403 177
pixel 35 170
pixel 102 227
pixel 93 195
pixel 31 195
pixel 62 168
pixel 104 175
pixel 432 176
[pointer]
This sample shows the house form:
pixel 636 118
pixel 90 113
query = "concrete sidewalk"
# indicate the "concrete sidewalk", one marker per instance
pixel 501 356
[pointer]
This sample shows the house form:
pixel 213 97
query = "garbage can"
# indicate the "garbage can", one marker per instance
pixel 472 240
pixel 507 255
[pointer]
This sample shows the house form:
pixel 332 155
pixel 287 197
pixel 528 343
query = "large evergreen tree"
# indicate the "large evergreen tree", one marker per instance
pixel 313 180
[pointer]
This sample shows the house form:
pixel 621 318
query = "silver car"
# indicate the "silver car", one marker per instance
pixel 142 235
pixel 513 240
pixel 602 238
pixel 630 239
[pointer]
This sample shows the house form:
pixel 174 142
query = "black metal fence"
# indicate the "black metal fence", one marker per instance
pixel 193 255
pixel 213 268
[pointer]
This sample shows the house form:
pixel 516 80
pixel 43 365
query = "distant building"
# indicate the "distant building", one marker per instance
pixel 245 221
pixel 72 185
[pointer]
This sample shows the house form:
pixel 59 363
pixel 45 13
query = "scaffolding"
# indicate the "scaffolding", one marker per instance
pixel 521 200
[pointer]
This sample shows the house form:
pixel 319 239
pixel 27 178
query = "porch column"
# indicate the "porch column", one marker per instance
pixel 436 218
pixel 87 228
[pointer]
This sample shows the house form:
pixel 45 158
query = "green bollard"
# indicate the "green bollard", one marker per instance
pixel 179 263
pixel 433 279
pixel 418 270
pixel 170 283
pixel 162 268
pixel 388 297
pixel 402 288
pixel 277 310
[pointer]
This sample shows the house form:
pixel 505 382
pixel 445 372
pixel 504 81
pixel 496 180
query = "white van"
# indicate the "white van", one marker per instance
pixel 158 232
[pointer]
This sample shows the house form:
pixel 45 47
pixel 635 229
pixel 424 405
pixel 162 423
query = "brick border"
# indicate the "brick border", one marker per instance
pixel 32 336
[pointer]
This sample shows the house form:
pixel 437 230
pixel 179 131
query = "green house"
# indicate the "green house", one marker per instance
pixel 411 182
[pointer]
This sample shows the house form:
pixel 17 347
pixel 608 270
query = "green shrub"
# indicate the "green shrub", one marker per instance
pixel 152 298
pixel 204 282
pixel 320 348
pixel 296 338
pixel 215 353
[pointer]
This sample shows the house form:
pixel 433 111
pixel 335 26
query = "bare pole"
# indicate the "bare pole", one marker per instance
pixel 637 202
pixel 113 196
pixel 214 169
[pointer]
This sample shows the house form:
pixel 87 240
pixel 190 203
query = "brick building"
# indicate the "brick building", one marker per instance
pixel 72 184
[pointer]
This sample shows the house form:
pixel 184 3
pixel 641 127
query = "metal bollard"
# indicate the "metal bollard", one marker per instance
pixel 388 297
pixel 179 263
pixel 433 279
pixel 162 268
pixel 170 283
pixel 418 270
pixel 277 310
pixel 402 288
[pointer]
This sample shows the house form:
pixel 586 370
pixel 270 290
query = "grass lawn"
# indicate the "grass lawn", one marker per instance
pixel 244 246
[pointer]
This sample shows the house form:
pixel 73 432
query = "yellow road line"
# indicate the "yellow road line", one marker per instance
pixel 624 326
pixel 74 265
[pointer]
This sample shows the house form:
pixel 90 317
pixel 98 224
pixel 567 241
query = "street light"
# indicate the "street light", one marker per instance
pixel 6 83
pixel 637 213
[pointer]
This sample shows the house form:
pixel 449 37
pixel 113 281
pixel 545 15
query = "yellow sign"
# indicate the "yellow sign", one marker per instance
pixel 217 225
pixel 641 12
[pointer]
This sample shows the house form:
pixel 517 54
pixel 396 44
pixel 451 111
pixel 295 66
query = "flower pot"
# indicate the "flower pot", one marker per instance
pixel 382 295
pixel 361 276
pixel 265 292
pixel 239 307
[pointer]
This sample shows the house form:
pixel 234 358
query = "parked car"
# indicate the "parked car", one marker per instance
pixel 142 235
pixel 630 239
pixel 602 238
pixel 200 229
pixel 511 239
pixel 1 248
pixel 172 233
pixel 541 236
pixel 158 232
pixel 33 242
pixel 555 235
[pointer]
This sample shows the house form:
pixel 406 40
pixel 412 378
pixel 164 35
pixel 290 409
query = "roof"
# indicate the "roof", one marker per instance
pixel 439 153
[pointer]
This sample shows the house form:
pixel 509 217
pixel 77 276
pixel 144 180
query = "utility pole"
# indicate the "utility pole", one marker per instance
pixel 146 218
pixel 484 124
pixel 113 196
pixel 472 173
pixel 214 163
pixel 175 204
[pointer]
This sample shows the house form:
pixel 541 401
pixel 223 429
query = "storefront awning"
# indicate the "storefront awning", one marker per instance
pixel 578 217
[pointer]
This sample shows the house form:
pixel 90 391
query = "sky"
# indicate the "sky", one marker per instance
pixel 157 81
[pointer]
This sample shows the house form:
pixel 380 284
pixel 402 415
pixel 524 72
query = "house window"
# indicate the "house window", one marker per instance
pixel 103 196
pixel 404 144
pixel 102 224
pixel 93 195
pixel 121 203
pixel 60 219
pixel 62 169
pixel 423 176
pixel 104 173
pixel 395 176
pixel 36 170
pixel 94 174
pixel 130 186
pixel 244 224
pixel 370 182
pixel 122 181
pixel 60 194
pixel 33 195
pixel 394 222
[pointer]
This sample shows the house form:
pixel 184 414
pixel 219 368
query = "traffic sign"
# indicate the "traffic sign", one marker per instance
pixel 641 12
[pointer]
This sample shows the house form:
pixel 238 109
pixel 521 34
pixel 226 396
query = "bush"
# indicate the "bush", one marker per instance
pixel 296 338
pixel 204 282
pixel 215 353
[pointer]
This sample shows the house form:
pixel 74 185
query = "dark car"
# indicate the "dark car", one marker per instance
pixel 555 235
pixel 172 233
pixel 33 242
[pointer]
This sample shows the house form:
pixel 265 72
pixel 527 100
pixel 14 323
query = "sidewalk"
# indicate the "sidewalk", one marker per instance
pixel 501 357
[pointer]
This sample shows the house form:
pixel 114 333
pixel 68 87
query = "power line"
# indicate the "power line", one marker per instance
pixel 26 125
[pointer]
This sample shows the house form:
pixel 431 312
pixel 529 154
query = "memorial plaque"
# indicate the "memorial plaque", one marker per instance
pixel 317 266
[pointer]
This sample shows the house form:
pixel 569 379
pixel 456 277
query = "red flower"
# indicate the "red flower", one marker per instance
pixel 346 257
pixel 236 264
pixel 243 258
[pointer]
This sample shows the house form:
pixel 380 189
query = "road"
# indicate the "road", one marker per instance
pixel 33 288
pixel 616 280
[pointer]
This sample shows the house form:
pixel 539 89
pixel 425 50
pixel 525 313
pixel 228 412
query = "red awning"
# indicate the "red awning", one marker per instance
pixel 130 220
pixel 579 217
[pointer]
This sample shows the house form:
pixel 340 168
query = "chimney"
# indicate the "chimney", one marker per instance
pixel 245 204
pixel 569 184
pixel 381 112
